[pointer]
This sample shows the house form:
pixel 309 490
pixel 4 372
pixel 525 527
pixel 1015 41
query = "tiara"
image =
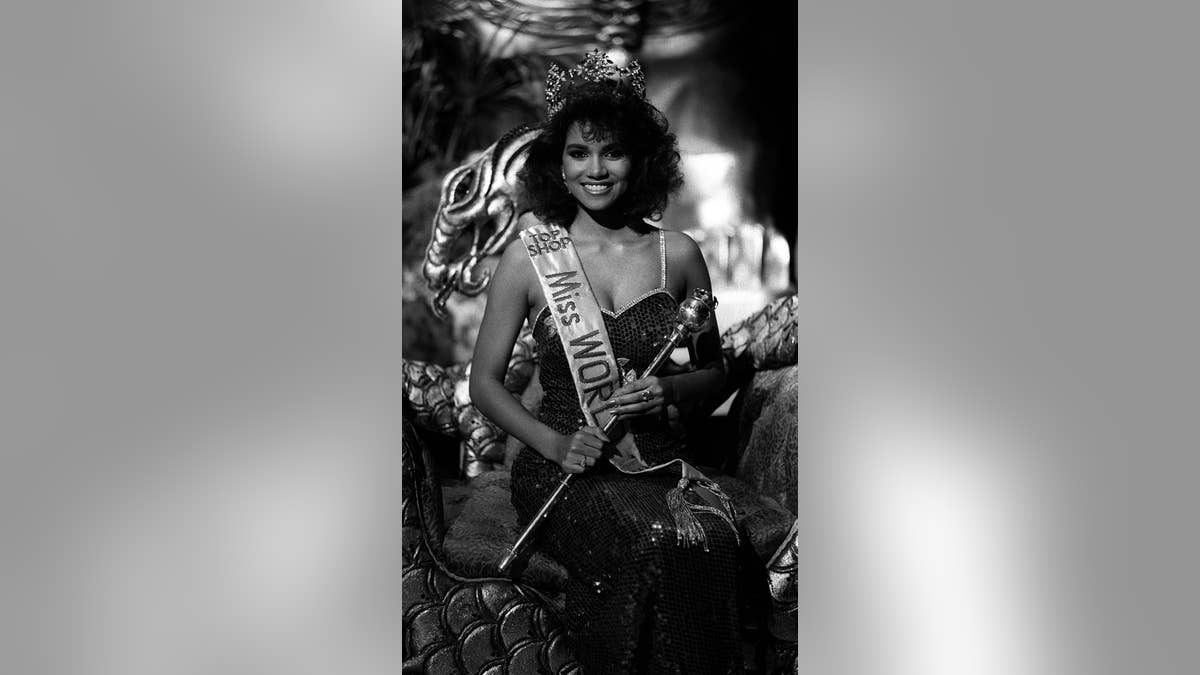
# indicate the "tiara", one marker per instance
pixel 596 67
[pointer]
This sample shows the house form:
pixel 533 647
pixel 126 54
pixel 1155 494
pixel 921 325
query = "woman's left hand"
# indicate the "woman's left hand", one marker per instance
pixel 647 396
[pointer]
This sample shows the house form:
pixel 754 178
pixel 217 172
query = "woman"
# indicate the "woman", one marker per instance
pixel 636 599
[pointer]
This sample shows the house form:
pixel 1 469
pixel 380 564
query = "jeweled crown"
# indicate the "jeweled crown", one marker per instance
pixel 596 67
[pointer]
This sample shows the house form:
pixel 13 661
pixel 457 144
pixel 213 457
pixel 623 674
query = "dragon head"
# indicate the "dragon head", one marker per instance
pixel 476 217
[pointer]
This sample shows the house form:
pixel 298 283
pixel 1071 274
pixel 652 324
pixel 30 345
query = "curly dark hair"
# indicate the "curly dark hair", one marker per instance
pixel 631 121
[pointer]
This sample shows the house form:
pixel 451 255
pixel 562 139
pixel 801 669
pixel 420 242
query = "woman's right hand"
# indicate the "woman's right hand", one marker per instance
pixel 579 451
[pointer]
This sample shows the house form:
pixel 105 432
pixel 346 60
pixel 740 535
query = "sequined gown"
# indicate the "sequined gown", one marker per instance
pixel 636 601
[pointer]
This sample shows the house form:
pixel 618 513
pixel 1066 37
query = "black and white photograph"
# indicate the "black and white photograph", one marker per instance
pixel 598 337
pixel 600 350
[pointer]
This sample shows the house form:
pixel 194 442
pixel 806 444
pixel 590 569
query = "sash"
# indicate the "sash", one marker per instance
pixel 597 373
pixel 576 316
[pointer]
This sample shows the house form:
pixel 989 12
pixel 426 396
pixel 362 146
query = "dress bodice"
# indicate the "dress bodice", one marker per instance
pixel 637 331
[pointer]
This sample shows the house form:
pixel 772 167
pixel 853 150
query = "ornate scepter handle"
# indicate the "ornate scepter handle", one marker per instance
pixel 693 314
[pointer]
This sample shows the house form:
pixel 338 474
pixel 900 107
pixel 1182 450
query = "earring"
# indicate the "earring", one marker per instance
pixel 564 176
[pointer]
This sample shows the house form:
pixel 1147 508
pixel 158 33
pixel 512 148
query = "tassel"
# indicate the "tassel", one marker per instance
pixel 687 528
pixel 726 513
pixel 715 489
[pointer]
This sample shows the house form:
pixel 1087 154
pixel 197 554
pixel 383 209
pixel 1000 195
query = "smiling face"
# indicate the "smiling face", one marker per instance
pixel 596 169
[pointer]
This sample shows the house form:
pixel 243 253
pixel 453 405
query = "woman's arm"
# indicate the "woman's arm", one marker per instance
pixel 508 303
pixel 708 377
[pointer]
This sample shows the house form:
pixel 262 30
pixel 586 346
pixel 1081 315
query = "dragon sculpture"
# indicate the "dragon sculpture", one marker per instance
pixel 480 193
pixel 438 398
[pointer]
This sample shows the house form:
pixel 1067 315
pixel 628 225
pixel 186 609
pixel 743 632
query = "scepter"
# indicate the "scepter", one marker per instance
pixel 693 314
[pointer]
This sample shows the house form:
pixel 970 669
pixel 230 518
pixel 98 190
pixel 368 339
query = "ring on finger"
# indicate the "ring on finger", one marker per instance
pixel 646 395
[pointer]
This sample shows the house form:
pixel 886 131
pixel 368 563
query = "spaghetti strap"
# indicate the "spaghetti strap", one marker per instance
pixel 662 257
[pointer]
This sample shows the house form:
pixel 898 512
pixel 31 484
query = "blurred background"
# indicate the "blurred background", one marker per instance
pixel 994 245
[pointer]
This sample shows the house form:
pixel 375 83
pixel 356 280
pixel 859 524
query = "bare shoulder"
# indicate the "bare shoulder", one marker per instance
pixel 515 254
pixel 683 250
pixel 514 268
pixel 515 260
pixel 514 251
